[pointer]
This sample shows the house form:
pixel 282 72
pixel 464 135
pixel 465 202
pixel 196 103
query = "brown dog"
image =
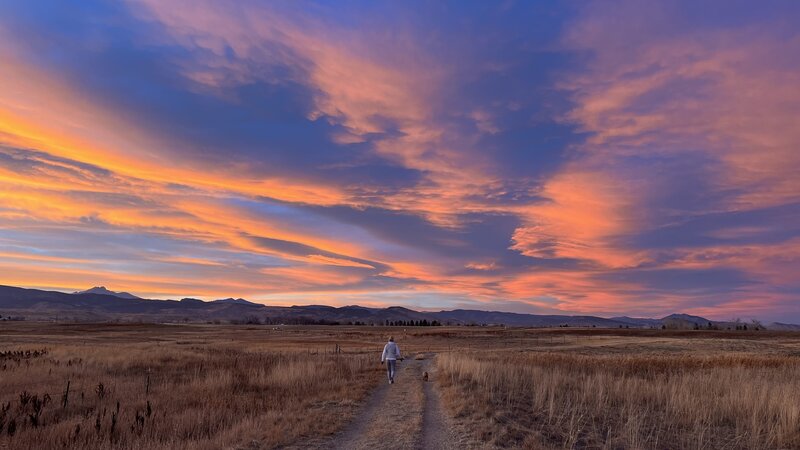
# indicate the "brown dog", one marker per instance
pixel 425 376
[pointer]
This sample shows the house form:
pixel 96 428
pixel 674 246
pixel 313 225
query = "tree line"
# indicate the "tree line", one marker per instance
pixel 412 323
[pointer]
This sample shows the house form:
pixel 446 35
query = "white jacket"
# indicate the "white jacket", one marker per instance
pixel 390 351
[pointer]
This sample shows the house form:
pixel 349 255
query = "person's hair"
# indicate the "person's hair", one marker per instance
pixel 391 338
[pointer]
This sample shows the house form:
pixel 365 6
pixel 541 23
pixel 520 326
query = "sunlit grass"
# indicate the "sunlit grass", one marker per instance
pixel 626 401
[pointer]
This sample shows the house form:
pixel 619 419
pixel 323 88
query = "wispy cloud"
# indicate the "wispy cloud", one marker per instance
pixel 632 158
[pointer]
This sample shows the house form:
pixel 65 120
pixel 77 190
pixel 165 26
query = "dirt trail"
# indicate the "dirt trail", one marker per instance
pixel 437 434
pixel 404 415
pixel 349 437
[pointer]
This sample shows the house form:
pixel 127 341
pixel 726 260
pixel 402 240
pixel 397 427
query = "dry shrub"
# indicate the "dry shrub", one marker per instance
pixel 631 401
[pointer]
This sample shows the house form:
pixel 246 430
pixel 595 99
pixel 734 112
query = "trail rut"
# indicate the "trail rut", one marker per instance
pixel 404 415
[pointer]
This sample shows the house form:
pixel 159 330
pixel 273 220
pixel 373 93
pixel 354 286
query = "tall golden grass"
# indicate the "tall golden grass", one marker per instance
pixel 645 401
pixel 220 386
pixel 175 395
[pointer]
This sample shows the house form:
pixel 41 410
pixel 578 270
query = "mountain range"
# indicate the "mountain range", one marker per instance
pixel 101 304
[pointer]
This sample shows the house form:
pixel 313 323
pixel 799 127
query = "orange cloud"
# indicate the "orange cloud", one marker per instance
pixel 584 210
pixel 357 86
pixel 73 128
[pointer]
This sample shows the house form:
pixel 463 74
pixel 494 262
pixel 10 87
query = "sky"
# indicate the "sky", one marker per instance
pixel 578 157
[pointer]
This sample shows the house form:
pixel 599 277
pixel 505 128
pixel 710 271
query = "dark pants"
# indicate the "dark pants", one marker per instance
pixel 391 364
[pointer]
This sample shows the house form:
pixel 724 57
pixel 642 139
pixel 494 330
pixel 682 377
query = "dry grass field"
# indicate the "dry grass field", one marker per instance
pixel 150 387
pixel 702 391
pixel 248 387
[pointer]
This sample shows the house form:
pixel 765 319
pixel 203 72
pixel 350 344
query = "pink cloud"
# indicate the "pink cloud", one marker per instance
pixel 728 94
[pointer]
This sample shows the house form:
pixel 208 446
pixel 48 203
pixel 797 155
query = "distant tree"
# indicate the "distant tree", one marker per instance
pixel 252 320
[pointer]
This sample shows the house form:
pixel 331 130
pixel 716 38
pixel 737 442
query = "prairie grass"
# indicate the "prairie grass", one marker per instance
pixel 253 387
pixel 639 401
pixel 175 393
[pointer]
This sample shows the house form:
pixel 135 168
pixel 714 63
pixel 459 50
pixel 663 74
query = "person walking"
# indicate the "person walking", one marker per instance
pixel 391 353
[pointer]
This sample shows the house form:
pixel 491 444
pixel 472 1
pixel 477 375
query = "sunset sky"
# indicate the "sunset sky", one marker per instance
pixel 606 158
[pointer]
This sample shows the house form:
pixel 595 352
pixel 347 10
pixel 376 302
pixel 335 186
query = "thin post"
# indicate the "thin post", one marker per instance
pixel 65 400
